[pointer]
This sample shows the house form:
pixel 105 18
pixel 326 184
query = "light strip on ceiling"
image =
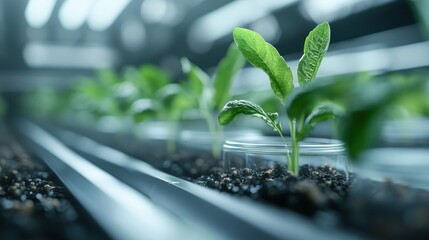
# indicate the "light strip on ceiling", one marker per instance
pixel 105 12
pixel 332 10
pixel 383 59
pixel 73 13
pixel 221 21
pixel 40 55
pixel 38 12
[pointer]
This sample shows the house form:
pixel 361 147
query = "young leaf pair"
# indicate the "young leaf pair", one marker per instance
pixel 263 55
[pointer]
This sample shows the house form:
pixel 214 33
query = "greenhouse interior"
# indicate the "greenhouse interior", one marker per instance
pixel 198 119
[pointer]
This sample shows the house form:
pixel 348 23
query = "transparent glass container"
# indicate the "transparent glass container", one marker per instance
pixel 157 130
pixel 264 152
pixel 205 140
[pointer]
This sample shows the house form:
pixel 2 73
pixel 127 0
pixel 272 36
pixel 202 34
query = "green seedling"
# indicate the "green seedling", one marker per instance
pixel 263 55
pixel 148 79
pixel 212 94
pixel 151 79
pixel 93 96
pixel 159 99
pixel 155 94
pixel 102 95
pixel 168 104
pixel 112 94
pixel 138 83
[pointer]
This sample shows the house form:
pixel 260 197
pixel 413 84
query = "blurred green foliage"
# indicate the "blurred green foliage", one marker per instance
pixel 366 104
pixel 211 94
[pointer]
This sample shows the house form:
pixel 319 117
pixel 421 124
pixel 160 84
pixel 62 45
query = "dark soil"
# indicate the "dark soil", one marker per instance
pixel 33 205
pixel 387 210
pixel 315 189
pixel 384 210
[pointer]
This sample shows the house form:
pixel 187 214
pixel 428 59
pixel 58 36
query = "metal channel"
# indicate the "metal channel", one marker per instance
pixel 233 217
pixel 121 211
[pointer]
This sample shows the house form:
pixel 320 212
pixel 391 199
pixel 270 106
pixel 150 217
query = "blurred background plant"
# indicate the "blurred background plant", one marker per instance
pixel 211 94
pixel 368 104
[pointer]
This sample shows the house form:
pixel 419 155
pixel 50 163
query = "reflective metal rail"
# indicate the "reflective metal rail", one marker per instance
pixel 122 211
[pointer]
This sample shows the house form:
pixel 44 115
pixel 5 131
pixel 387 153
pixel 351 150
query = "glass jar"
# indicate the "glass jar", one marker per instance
pixel 204 139
pixel 263 152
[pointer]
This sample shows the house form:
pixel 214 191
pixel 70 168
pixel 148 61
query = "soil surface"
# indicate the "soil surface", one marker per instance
pixel 33 204
pixel 387 210
pixel 384 210
pixel 314 189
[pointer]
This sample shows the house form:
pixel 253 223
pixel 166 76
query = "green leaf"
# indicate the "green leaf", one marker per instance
pixel 166 98
pixel 198 79
pixel 167 94
pixel 144 109
pixel 201 88
pixel 227 68
pixel 315 47
pixel 360 129
pixel 275 119
pixel 362 106
pixel 181 103
pixel 108 77
pixel 303 101
pixel 91 89
pixel 125 91
pixel 319 114
pixel 151 79
pixel 362 126
pixel 263 55
pixel 236 107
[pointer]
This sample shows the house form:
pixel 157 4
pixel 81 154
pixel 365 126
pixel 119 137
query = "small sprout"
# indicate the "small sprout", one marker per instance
pixel 150 79
pixel 165 101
